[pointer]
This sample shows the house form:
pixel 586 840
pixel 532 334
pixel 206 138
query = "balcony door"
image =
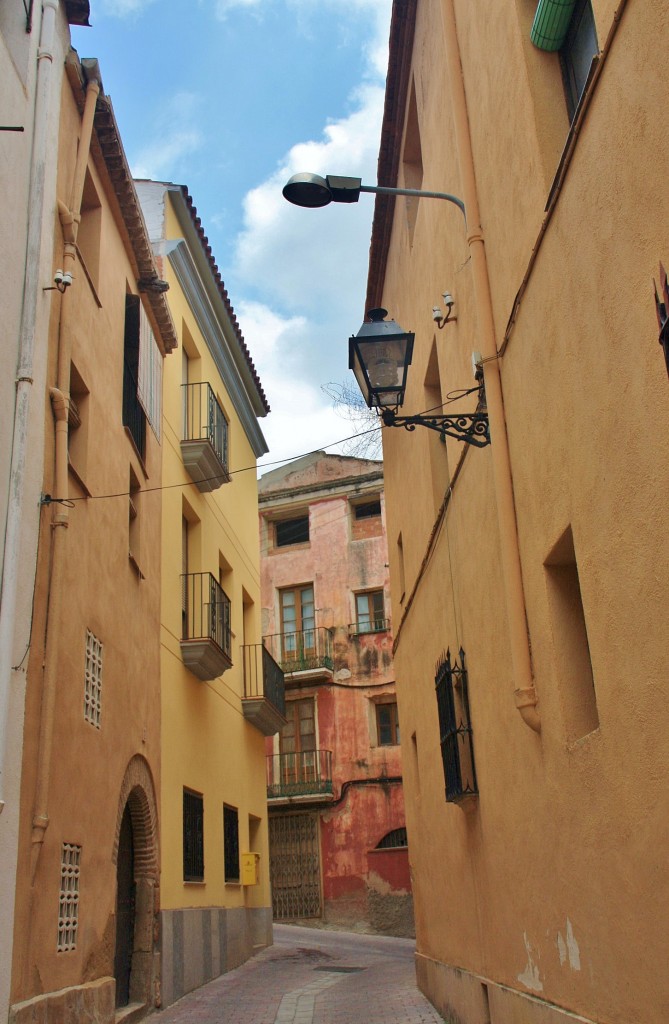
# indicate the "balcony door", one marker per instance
pixel 297 743
pixel 298 624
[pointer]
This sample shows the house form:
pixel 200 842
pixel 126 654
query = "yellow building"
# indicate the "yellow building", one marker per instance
pixel 88 865
pixel 535 569
pixel 215 898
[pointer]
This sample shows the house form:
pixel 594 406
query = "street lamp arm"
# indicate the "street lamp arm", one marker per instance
pixel 418 193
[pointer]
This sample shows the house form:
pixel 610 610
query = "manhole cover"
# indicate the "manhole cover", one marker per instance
pixel 340 970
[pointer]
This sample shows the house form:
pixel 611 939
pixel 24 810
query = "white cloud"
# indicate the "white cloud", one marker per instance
pixel 122 8
pixel 172 140
pixel 308 268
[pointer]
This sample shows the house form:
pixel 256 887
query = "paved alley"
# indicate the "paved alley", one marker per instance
pixel 311 976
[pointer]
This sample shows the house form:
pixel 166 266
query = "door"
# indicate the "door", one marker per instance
pixel 298 621
pixel 125 910
pixel 297 746
pixel 295 866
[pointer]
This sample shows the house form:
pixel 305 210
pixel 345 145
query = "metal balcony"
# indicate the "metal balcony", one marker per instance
pixel 304 775
pixel 369 626
pixel 206 638
pixel 264 700
pixel 204 447
pixel 304 655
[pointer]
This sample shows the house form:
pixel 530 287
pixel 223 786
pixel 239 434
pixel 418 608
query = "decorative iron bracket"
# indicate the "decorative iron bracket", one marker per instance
pixel 472 428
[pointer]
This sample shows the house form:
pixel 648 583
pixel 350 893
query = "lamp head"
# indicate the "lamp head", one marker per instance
pixel 380 355
pixel 313 191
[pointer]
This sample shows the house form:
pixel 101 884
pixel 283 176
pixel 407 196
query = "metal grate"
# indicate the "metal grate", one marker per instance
pixel 193 836
pixel 231 843
pixel 295 866
pixel 68 902
pixel 395 840
pixel 93 680
pixel 457 751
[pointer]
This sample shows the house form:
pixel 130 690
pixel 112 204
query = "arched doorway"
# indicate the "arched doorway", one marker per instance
pixel 125 909
pixel 136 858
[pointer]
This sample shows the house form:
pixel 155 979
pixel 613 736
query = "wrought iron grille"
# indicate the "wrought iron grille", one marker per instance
pixel 206 610
pixel 231 843
pixel 263 677
pixel 204 420
pixel 457 751
pixel 193 836
pixel 134 417
pixel 302 651
pixel 295 866
pixel 303 773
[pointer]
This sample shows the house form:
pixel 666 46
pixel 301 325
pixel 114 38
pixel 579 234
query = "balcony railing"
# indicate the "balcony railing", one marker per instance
pixel 206 637
pixel 204 447
pixel 369 626
pixel 308 650
pixel 134 417
pixel 264 701
pixel 304 774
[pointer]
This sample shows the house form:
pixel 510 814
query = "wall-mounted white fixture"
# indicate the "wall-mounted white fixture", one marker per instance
pixel 439 317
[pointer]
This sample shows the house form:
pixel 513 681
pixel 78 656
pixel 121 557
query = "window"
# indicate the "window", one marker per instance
pixel 577 684
pixel 149 374
pixel 134 521
pixel 193 836
pixel 78 425
pixel 231 843
pixel 387 725
pixel 133 414
pixel 297 743
pixel 395 840
pixel 93 680
pixel 457 751
pixel 68 900
pixel 412 161
pixel 367 509
pixel 369 612
pixel 291 531
pixel 90 229
pixel 578 50
pixel 298 620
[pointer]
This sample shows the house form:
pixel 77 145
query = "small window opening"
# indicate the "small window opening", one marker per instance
pixel 193 836
pixel 231 843
pixel 395 840
pixel 291 531
pixel 368 509
pixel 577 53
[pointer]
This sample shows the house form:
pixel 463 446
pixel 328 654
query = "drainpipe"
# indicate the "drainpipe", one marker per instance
pixel 60 400
pixel 525 692
pixel 16 511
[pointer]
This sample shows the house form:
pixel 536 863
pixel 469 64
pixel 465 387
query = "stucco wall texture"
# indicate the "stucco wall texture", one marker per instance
pixel 545 897
pixel 361 887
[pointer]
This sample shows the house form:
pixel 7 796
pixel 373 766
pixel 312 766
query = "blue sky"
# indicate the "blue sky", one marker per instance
pixel 231 97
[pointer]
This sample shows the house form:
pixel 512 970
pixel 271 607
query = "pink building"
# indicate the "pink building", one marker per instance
pixel 334 775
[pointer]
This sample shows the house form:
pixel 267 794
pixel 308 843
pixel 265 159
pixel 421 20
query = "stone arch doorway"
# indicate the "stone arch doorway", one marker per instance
pixel 136 858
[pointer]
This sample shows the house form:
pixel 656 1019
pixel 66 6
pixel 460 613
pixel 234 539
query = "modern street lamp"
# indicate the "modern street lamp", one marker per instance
pixel 313 191
pixel 380 355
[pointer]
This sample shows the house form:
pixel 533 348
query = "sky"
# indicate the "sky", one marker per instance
pixel 231 97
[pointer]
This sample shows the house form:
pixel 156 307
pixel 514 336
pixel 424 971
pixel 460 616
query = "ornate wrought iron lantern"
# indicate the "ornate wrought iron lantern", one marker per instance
pixel 380 355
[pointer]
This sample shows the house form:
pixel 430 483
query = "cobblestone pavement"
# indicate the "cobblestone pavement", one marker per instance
pixel 311 976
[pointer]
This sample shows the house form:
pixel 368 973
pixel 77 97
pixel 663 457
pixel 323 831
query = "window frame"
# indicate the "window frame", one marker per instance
pixel 279 524
pixel 371 622
pixel 231 854
pixel 193 842
pixel 394 724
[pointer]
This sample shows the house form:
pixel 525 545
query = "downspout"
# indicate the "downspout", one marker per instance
pixel 70 217
pixel 525 692
pixel 16 512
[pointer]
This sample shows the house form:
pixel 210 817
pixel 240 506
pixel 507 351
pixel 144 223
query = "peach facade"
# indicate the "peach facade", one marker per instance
pixel 543 897
pixel 89 789
pixel 334 771
pixel 32 56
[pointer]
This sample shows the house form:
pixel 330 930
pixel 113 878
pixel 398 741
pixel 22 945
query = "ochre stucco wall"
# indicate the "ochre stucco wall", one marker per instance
pixel 549 882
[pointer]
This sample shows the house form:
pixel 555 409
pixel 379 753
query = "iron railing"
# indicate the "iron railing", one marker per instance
pixel 306 773
pixel 263 677
pixel 134 417
pixel 302 651
pixel 457 751
pixel 204 420
pixel 369 626
pixel 205 610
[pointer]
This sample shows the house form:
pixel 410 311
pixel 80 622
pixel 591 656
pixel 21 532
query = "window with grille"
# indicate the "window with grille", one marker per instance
pixel 387 725
pixel 291 531
pixel 231 843
pixel 193 836
pixel 457 751
pixel 93 680
pixel 68 901
pixel 397 839
pixel 370 612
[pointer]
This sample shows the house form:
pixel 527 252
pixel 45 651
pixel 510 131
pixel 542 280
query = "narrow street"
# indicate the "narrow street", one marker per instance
pixel 311 976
